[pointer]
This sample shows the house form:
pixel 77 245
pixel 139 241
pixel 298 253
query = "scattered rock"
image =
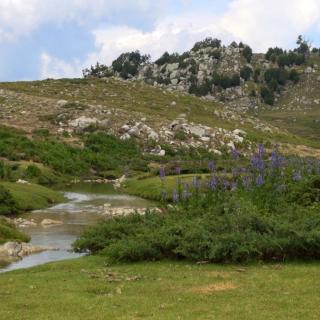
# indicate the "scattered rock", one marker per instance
pixel 20 250
pixel 50 222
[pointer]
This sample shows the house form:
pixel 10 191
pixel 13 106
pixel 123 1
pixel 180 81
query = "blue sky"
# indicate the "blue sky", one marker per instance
pixel 58 38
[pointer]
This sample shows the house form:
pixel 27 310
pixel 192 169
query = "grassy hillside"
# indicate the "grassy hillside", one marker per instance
pixel 298 109
pixel 29 197
pixel 35 106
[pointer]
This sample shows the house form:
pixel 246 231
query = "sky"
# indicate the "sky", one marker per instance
pixel 42 39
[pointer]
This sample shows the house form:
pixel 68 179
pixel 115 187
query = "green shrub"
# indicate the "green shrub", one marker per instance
pixel 7 204
pixel 33 171
pixel 267 96
pixel 8 232
pixel 247 53
pixel 245 73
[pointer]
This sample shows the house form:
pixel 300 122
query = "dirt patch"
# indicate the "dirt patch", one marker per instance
pixel 216 287
pixel 300 150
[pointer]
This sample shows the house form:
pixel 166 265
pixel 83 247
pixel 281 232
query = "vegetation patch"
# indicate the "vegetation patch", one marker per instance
pixel 26 197
pixel 252 213
pixel 8 232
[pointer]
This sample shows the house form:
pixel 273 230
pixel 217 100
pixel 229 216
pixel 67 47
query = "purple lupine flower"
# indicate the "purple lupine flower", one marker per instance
pixel 162 173
pixel 235 172
pixel 186 194
pixel 213 183
pixel 178 170
pixel 175 196
pixel 226 184
pixel 276 160
pixel 234 186
pixel 246 182
pixel 235 153
pixel 211 166
pixel 196 182
pixel 261 150
pixel 164 195
pixel 257 163
pixel 259 180
pixel 296 176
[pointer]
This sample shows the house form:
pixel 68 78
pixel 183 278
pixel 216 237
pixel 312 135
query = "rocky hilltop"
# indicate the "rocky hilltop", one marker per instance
pixel 230 74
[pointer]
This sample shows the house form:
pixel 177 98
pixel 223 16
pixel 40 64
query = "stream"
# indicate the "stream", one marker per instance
pixel 83 208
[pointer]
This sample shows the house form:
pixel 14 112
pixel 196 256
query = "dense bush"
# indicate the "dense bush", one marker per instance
pixel 102 152
pixel 225 81
pixel 127 64
pixel 247 53
pixel 7 203
pixel 167 58
pixel 284 58
pixel 245 73
pixel 267 96
pixel 208 42
pixel 97 71
pixel 258 214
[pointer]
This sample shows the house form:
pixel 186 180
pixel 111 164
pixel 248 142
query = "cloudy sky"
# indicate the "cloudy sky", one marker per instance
pixel 57 38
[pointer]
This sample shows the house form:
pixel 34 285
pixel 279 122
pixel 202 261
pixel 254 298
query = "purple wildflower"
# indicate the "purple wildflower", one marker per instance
pixel 261 150
pixel 235 172
pixel 246 182
pixel 211 166
pixel 296 176
pixel 259 180
pixel 235 153
pixel 164 195
pixel 213 183
pixel 178 170
pixel 257 163
pixel 175 196
pixel 162 173
pixel 226 184
pixel 196 182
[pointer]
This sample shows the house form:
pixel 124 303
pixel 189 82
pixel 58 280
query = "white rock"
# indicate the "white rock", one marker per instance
pixel 205 139
pixel 240 132
pixel 174 81
pixel 231 145
pixel 22 181
pixel 62 103
pixel 125 136
pixel 83 122
pixel 162 153
pixel 50 222
pixel 153 136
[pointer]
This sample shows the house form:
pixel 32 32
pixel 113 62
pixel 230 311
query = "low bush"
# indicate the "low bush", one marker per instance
pixel 8 232
pixel 268 211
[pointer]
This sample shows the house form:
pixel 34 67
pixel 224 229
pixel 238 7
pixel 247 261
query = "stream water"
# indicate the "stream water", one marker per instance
pixel 83 207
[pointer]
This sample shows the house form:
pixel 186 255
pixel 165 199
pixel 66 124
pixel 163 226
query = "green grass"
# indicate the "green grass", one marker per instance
pixel 31 196
pixel 87 289
pixel 152 187
pixel 8 232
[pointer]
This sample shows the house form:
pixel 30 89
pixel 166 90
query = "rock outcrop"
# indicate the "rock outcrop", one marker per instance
pixel 20 250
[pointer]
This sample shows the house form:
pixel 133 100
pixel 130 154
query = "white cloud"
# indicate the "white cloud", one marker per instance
pixel 267 23
pixel 55 68
pixel 261 24
pixel 20 17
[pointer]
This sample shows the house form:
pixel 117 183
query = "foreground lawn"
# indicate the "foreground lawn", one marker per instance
pixel 87 288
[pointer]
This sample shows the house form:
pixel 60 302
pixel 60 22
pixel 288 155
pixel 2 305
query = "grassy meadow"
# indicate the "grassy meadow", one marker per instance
pixel 89 288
